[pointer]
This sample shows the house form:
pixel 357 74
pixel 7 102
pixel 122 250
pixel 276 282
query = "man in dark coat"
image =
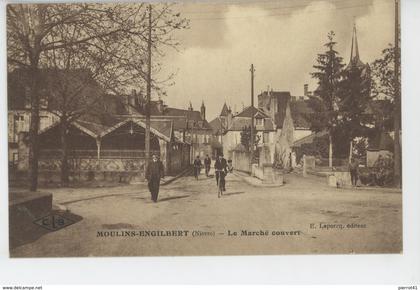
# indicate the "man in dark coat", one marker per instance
pixel 220 167
pixel 207 164
pixel 197 167
pixel 354 171
pixel 154 173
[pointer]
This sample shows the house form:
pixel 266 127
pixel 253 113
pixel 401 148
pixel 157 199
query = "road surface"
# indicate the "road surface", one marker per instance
pixel 302 217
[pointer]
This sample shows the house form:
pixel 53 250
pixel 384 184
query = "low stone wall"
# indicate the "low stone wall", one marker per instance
pixel 241 161
pixel 267 174
pixel 339 179
pixel 94 164
pixel 257 171
pixel 124 170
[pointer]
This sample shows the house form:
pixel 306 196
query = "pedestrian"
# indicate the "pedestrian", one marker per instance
pixel 354 171
pixel 207 164
pixel 220 168
pixel 154 173
pixel 197 166
pixel 230 165
pixel 293 159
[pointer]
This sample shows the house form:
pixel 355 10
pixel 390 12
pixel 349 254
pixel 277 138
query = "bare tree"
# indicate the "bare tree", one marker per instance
pixel 38 32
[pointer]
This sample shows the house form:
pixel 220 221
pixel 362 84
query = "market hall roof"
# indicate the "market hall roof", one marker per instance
pixel 161 128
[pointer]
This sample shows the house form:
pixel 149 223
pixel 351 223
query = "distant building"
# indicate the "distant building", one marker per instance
pixel 219 127
pixel 108 140
pixel 190 126
pixel 19 112
pixel 227 128
pixel 274 104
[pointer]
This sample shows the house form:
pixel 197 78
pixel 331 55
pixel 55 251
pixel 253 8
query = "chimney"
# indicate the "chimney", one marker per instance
pixel 159 105
pixel 190 108
pixel 305 90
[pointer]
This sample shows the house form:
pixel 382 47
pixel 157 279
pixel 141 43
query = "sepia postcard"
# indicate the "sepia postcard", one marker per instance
pixel 204 128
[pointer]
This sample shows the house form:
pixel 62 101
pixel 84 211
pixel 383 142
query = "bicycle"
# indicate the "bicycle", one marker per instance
pixel 219 175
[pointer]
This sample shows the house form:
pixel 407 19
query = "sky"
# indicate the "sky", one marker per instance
pixel 281 38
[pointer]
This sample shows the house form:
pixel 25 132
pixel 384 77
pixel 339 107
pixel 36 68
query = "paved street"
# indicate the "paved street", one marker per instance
pixel 275 220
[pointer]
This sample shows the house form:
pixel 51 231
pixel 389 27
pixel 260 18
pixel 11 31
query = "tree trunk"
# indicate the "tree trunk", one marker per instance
pixel 34 126
pixel 65 154
pixel 330 152
pixel 351 150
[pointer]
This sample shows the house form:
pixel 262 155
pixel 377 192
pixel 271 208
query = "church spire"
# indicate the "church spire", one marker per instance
pixel 354 56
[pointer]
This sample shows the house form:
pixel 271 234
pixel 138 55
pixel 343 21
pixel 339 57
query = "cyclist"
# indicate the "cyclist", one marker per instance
pixel 220 167
pixel 197 166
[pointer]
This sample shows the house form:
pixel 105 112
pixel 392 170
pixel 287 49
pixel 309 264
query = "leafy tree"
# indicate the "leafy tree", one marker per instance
pixel 387 86
pixel 246 137
pixel 325 103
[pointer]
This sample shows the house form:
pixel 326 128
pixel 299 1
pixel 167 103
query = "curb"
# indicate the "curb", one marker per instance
pixel 363 187
pixel 253 184
pixel 176 177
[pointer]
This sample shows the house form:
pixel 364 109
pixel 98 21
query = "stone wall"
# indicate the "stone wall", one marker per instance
pixel 257 171
pixel 267 174
pixel 241 161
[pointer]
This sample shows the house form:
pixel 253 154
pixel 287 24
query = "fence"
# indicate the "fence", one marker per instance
pixel 104 154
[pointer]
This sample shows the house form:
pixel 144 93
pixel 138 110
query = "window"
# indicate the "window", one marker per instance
pixel 259 122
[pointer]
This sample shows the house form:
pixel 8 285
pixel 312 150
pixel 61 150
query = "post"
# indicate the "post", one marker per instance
pixel 330 155
pixel 149 85
pixel 252 115
pixel 192 143
pixel 397 102
pixel 98 148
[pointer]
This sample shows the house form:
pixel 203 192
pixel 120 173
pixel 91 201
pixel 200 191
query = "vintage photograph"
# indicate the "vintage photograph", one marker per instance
pixel 228 127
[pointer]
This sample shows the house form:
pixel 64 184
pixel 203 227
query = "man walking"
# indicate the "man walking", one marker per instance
pixel 197 167
pixel 354 171
pixel 220 167
pixel 207 164
pixel 154 173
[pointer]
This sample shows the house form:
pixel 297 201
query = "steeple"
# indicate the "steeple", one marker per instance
pixel 354 54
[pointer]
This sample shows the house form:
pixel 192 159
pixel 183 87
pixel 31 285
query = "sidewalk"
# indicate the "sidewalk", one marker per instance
pixel 169 179
pixel 253 181
pixel 324 175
